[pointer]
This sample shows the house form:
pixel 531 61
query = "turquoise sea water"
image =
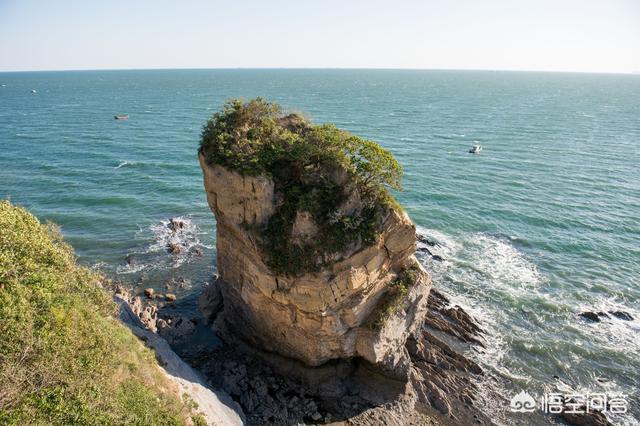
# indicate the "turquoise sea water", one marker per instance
pixel 543 224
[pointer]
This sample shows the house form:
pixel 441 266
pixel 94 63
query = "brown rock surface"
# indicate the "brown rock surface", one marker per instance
pixel 314 317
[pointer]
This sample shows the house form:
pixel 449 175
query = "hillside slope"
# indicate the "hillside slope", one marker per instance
pixel 64 357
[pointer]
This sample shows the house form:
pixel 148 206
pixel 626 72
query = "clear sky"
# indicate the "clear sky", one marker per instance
pixel 552 35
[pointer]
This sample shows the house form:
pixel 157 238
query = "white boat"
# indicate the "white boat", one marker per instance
pixel 475 149
pixel 34 91
pixel 121 117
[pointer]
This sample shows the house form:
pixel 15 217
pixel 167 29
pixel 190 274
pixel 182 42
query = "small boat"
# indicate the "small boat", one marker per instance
pixel 33 91
pixel 475 149
pixel 121 117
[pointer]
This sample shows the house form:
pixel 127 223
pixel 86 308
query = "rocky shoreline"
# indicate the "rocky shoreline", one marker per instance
pixel 271 389
pixel 215 406
pixel 324 312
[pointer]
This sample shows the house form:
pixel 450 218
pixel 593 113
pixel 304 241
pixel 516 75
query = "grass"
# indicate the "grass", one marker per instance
pixel 315 169
pixel 64 358
pixel 393 300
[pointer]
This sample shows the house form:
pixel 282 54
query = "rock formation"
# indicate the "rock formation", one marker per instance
pixel 315 259
pixel 341 311
pixel 320 298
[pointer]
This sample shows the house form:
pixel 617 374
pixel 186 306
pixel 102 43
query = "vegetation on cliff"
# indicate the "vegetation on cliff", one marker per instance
pixel 64 359
pixel 394 298
pixel 316 168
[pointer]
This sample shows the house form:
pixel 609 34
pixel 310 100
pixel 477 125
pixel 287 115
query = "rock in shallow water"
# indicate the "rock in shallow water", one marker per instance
pixel 592 418
pixel 174 248
pixel 626 316
pixel 176 224
pixel 217 407
pixel 598 316
pixel 592 316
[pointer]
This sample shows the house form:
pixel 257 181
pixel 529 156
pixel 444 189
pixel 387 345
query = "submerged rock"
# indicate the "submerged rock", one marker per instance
pixel 425 240
pixel 598 316
pixel 584 418
pixel 174 248
pixel 433 256
pixel 175 328
pixel 590 316
pixel 626 316
pixel 176 224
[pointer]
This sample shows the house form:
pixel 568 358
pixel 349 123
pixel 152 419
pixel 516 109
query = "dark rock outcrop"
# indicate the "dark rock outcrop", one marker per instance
pixel 626 316
pixel 275 390
pixel 583 418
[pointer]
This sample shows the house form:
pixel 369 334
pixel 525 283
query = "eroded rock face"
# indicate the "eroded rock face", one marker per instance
pixel 314 317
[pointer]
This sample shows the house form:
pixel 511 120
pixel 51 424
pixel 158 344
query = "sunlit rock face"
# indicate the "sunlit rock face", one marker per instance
pixel 341 311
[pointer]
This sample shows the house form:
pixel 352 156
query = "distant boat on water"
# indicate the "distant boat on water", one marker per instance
pixel 475 149
pixel 121 117
pixel 34 91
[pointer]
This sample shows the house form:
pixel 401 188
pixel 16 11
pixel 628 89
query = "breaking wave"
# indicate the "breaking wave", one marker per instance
pixel 125 163
pixel 522 313
pixel 478 271
pixel 173 242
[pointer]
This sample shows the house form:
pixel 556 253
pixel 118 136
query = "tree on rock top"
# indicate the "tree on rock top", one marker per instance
pixel 316 169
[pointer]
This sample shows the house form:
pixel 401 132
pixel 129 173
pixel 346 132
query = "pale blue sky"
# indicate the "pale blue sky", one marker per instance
pixel 553 35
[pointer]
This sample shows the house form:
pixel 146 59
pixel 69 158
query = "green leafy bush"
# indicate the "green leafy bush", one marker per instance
pixel 64 359
pixel 315 169
pixel 393 299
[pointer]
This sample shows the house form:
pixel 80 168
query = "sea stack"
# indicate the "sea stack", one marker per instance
pixel 315 259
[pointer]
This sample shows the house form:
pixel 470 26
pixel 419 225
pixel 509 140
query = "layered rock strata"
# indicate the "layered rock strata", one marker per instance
pixel 350 308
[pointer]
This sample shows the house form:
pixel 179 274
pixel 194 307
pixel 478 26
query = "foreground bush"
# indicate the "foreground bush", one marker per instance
pixel 64 359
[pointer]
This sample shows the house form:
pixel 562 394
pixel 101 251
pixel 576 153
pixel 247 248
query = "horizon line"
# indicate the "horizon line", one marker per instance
pixel 325 68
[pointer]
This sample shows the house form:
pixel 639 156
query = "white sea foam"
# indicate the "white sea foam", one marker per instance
pixel 502 262
pixel 477 271
pixel 156 254
pixel 612 333
pixel 124 163
pixel 504 290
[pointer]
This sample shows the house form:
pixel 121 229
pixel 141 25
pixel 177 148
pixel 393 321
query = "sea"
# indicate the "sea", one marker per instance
pixel 541 225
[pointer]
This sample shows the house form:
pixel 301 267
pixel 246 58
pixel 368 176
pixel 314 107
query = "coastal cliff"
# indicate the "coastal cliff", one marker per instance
pixel 363 299
pixel 325 312
pixel 65 358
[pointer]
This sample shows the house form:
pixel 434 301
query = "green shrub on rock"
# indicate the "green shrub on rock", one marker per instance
pixel 394 298
pixel 315 168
